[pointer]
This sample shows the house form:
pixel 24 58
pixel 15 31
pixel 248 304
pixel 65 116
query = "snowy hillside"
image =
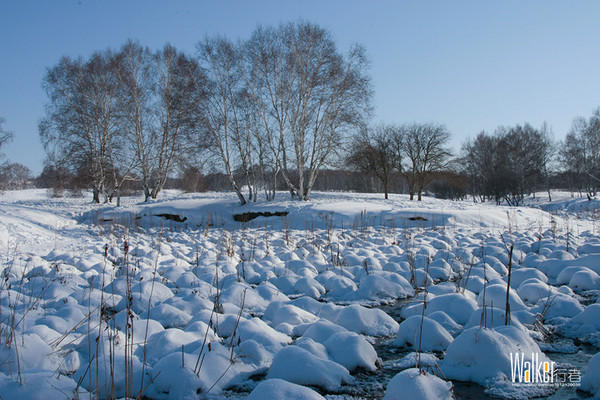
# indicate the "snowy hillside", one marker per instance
pixel 334 298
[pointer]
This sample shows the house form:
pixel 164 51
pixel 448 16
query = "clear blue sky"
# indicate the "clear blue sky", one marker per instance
pixel 472 65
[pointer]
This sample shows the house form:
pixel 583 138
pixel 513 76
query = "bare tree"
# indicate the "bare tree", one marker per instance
pixel 14 176
pixel 522 146
pixel 281 103
pixel 137 75
pixel 223 120
pixel 425 151
pixel 547 150
pixel 508 164
pixel 375 152
pixel 580 153
pixel 269 82
pixel 330 98
pixel 81 121
pixel 160 103
pixel 118 113
pixel 180 92
pixel 481 165
pixel 5 135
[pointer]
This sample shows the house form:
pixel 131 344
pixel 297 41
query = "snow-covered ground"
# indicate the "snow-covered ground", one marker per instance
pixel 176 299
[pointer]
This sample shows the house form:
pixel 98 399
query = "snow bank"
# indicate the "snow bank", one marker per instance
pixel 60 250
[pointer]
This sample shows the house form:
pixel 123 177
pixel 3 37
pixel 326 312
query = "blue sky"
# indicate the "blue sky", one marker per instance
pixel 472 65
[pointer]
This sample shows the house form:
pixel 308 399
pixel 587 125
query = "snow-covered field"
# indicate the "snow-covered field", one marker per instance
pixel 174 299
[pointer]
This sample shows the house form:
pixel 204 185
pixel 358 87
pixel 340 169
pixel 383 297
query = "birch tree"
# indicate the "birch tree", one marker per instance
pixel 223 116
pixel 5 135
pixel 180 91
pixel 580 152
pixel 269 81
pixel 329 99
pixel 82 120
pixel 137 74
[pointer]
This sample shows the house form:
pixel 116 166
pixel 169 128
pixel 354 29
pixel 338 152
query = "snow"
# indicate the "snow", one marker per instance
pixel 584 279
pixel 495 295
pixel 423 334
pixel 533 290
pixel 412 359
pixel 297 365
pixel 373 287
pixel 558 306
pixel 458 306
pixel 372 322
pixel 39 386
pixel 482 355
pixel 585 326
pixel 412 384
pixel 214 304
pixel 520 275
pixel 284 317
pixel 352 351
pixel 321 330
pixel 278 389
pixel 591 380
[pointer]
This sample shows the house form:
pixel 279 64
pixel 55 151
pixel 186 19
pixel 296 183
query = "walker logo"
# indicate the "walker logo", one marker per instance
pixel 532 371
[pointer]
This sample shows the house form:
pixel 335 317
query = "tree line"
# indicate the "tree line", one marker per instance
pixel 12 175
pixel 275 106
pixel 504 166
pixel 514 162
pixel 274 112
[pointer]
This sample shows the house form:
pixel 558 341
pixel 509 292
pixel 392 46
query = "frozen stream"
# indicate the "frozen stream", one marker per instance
pixel 371 385
pixel 288 300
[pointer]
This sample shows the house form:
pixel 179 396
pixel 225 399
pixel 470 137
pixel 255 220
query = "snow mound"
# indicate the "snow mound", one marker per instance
pixel 482 356
pixel 533 290
pixel 496 294
pixel 558 306
pixel 321 330
pixel 367 321
pixel 586 325
pixel 591 380
pixel 520 275
pixel 278 389
pixel 286 316
pixel 297 365
pixel 40 386
pixel 584 279
pixel 434 336
pixel 377 287
pixel 448 323
pixel 412 384
pixel 352 351
pixel 457 306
